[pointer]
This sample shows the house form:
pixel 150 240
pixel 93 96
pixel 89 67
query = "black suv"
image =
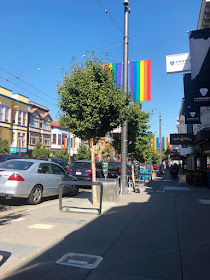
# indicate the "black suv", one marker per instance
pixel 5 157
pixel 82 170
pixel 114 169
pixel 61 162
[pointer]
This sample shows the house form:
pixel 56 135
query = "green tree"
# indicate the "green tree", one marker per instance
pixel 139 138
pixel 83 152
pixel 4 146
pixel 40 151
pixel 62 154
pixel 90 102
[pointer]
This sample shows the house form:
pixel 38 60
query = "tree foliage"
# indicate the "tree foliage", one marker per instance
pixel 139 137
pixel 4 146
pixel 90 102
pixel 40 151
pixel 62 154
pixel 83 152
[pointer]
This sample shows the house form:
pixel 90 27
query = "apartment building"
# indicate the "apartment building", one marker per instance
pixel 39 126
pixel 14 120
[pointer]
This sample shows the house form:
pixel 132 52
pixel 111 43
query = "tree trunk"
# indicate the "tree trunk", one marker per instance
pixel 94 188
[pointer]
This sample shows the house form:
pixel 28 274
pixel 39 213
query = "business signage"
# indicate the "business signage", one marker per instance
pixel 180 139
pixel 192 113
pixel 178 63
pixel 200 66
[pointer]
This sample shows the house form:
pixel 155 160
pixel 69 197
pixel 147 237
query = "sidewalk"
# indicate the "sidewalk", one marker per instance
pixel 161 233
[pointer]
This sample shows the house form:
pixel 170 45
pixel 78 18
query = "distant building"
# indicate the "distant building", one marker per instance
pixel 14 120
pixel 39 126
pixel 60 139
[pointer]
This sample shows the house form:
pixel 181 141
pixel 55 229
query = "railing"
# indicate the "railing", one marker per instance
pixel 79 183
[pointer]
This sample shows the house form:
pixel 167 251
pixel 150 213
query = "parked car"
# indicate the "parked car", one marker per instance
pixel 82 170
pixel 61 162
pixel 5 157
pixel 33 179
pixel 114 169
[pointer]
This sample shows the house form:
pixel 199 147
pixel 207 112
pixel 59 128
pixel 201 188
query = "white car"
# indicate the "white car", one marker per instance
pixel 33 179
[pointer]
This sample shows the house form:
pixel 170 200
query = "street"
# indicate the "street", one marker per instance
pixel 161 233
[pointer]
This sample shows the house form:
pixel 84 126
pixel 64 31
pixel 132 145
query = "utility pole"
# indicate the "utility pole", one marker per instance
pixel 124 133
pixel 69 147
pixel 160 139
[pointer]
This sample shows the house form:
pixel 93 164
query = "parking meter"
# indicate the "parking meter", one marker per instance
pixel 105 169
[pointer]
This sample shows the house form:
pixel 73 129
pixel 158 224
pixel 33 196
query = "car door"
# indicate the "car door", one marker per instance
pixel 59 174
pixel 47 178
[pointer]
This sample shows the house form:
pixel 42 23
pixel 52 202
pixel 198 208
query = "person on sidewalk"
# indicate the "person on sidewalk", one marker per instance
pixel 176 171
pixel 171 169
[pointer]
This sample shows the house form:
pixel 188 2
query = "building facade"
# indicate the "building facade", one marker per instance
pixel 39 126
pixel 14 120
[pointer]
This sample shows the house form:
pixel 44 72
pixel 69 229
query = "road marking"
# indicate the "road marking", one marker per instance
pixel 19 219
pixel 41 226
pixel 12 214
pixel 204 201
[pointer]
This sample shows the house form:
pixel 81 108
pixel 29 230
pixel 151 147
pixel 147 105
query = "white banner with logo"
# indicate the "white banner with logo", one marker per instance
pixel 178 63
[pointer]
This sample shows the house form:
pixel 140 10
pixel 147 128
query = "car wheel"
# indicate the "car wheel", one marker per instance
pixel 36 195
pixel 73 190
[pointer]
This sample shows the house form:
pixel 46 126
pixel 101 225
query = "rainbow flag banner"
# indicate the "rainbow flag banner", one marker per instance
pixel 140 80
pixel 156 143
pixel 117 70
pixel 72 142
pixel 164 143
pixel 66 142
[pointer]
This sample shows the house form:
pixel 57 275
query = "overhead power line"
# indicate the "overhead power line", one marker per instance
pixel 26 83
pixel 61 63
pixel 27 91
pixel 106 11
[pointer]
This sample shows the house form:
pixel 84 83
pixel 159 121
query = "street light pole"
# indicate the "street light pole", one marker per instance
pixel 160 139
pixel 124 132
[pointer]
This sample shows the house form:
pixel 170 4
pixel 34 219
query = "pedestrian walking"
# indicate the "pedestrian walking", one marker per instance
pixel 176 171
pixel 171 169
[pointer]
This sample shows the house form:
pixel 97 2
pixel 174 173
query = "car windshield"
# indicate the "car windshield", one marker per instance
pixel 113 163
pixel 16 164
pixel 81 165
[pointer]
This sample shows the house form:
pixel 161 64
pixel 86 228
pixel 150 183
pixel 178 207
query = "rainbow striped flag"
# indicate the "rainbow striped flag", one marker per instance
pixel 156 143
pixel 116 68
pixel 140 80
pixel 72 142
pixel 164 143
pixel 66 142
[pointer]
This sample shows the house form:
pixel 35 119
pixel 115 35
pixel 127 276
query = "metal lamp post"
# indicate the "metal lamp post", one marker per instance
pixel 160 139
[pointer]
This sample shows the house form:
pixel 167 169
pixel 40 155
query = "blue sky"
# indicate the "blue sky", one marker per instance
pixel 47 34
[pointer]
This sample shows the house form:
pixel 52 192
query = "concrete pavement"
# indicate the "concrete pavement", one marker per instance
pixel 161 233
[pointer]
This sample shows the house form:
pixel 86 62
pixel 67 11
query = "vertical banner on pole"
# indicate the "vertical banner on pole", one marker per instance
pixel 156 143
pixel 140 80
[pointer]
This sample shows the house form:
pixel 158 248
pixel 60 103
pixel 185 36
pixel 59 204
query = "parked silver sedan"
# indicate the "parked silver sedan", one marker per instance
pixel 33 179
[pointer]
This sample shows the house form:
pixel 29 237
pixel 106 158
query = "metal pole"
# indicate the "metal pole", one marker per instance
pixel 19 145
pixel 69 148
pixel 160 138
pixel 124 133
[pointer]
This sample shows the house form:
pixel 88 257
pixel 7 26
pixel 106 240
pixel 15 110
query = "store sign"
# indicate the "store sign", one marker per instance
pixel 180 139
pixel 178 63
pixel 192 113
pixel 200 66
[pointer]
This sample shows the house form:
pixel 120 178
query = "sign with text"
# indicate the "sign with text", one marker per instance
pixel 180 139
pixel 178 63
pixel 192 113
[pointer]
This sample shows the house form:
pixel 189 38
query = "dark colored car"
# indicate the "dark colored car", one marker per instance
pixel 114 169
pixel 5 157
pixel 82 170
pixel 61 162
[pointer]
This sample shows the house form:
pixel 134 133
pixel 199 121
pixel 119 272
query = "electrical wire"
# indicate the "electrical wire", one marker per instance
pixel 27 91
pixel 26 83
pixel 106 11
pixel 82 56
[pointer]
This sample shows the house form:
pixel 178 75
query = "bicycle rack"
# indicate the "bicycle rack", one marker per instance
pixel 79 183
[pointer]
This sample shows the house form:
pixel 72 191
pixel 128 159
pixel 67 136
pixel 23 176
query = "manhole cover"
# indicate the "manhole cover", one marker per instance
pixel 80 260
